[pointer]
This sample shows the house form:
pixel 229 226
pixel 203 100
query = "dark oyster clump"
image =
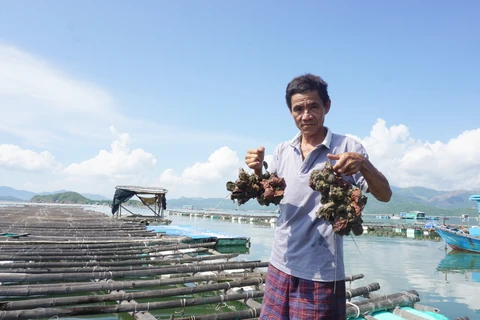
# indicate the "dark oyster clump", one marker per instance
pixel 268 188
pixel 342 204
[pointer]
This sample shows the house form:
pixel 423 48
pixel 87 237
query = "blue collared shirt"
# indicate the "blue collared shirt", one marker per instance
pixel 305 246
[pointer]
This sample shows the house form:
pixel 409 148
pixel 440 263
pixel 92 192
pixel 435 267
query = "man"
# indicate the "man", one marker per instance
pixel 306 276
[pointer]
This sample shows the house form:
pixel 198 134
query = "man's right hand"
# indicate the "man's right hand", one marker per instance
pixel 254 160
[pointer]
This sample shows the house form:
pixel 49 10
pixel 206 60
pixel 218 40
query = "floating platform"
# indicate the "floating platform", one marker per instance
pixel 264 220
pixel 416 231
pixel 200 235
pixel 78 263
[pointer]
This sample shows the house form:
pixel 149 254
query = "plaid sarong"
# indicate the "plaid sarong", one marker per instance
pixel 288 297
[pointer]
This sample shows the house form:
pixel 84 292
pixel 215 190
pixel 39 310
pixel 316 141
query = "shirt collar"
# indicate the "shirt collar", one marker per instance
pixel 295 142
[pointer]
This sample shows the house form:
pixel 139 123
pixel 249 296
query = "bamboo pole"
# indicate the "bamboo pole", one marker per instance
pixel 84 241
pixel 354 277
pixel 88 257
pixel 89 265
pixel 23 277
pixel 115 246
pixel 253 313
pixel 78 287
pixel 350 293
pixel 91 310
pixel 406 315
pixel 421 307
pixel 142 315
pixel 402 299
pixel 114 295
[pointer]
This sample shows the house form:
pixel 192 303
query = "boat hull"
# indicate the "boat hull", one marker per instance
pixel 459 240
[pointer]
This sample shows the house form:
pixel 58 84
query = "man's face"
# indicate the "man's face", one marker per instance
pixel 309 112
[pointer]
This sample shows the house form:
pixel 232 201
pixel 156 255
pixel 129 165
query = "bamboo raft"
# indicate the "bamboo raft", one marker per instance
pixel 376 228
pixel 66 262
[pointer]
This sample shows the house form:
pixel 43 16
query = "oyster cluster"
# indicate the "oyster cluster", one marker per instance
pixel 268 188
pixel 342 204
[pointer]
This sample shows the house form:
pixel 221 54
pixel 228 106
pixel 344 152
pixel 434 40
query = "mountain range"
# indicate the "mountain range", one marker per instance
pixel 7 193
pixel 432 202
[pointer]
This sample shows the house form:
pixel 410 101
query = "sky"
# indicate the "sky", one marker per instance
pixel 95 94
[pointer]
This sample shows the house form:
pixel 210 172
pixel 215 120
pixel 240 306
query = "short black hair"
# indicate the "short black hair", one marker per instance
pixel 305 83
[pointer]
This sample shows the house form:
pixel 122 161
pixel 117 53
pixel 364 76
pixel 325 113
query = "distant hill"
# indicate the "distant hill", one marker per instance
pixel 51 192
pixel 20 194
pixel 10 198
pixel 27 195
pixel 218 203
pixel 430 201
pixel 64 197
pixel 99 197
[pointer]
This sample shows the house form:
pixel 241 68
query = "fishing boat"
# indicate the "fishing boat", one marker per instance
pixel 465 239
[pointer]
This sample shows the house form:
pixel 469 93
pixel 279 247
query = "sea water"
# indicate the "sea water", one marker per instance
pixel 396 263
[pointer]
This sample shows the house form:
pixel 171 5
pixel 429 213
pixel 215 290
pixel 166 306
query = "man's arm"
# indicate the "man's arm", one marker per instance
pixel 378 185
pixel 349 163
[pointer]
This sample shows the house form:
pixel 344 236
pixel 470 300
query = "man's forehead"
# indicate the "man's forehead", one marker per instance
pixel 306 98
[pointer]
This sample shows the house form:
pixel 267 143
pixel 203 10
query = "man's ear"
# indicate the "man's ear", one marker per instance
pixel 327 106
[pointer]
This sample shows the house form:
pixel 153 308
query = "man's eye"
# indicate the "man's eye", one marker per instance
pixel 316 106
pixel 297 109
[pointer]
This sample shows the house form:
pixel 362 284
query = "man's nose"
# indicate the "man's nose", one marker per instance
pixel 307 114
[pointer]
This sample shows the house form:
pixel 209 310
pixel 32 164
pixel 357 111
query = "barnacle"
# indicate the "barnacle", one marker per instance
pixel 342 204
pixel 269 188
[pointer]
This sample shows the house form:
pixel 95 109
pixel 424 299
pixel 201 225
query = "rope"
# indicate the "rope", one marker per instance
pixel 358 248
pixel 356 308
pixel 335 258
pixel 222 200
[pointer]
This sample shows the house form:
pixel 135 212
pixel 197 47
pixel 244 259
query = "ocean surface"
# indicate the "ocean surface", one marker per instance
pixel 396 263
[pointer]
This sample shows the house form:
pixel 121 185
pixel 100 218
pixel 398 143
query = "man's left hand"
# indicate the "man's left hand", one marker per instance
pixel 348 163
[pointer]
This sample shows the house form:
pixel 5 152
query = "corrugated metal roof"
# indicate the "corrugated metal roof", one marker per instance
pixel 144 190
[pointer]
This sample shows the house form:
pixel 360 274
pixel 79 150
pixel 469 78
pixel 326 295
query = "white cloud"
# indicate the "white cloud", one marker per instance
pixel 22 74
pixel 47 107
pixel 41 104
pixel 409 162
pixel 118 163
pixel 204 179
pixel 15 158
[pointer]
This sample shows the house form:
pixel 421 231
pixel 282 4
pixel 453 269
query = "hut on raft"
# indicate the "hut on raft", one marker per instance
pixel 154 198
